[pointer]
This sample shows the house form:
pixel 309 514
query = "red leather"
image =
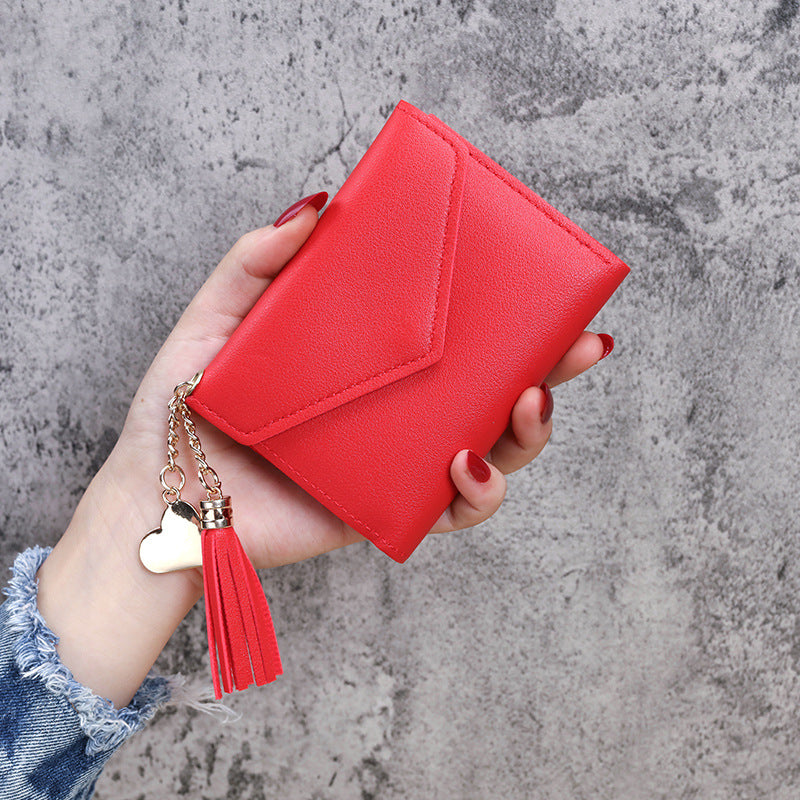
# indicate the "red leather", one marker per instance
pixel 434 289
pixel 241 639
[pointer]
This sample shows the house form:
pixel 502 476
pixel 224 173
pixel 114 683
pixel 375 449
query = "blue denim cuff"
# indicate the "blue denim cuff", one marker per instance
pixel 105 726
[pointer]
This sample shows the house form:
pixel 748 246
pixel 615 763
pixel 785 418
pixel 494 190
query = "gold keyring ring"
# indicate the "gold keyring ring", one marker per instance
pixel 174 468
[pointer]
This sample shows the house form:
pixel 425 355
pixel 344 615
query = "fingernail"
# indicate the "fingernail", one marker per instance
pixel 317 200
pixel 608 344
pixel 478 467
pixel 547 411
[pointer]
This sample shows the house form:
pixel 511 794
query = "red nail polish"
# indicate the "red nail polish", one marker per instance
pixel 547 410
pixel 608 344
pixel 478 467
pixel 317 200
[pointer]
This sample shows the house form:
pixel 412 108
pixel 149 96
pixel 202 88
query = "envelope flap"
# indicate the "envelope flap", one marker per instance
pixel 364 301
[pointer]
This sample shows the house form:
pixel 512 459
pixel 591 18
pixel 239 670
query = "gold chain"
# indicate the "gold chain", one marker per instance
pixel 207 476
pixel 171 493
pixel 179 411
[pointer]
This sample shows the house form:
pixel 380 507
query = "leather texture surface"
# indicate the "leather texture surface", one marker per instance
pixel 434 290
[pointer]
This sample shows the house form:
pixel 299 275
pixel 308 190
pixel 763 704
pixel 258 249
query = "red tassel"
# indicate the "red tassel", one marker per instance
pixel 241 640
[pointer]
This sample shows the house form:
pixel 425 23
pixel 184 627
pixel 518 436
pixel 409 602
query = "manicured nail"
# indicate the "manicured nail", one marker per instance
pixel 317 200
pixel 608 344
pixel 547 411
pixel 478 467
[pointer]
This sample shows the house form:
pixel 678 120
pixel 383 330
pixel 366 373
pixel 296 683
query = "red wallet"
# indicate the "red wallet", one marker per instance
pixel 435 288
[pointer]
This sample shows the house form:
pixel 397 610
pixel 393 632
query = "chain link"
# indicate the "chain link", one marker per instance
pixel 172 493
pixel 214 487
pixel 179 412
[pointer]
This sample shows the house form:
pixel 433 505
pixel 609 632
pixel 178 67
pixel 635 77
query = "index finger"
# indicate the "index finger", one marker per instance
pixel 586 351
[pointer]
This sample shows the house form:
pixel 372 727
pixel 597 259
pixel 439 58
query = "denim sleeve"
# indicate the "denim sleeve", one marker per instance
pixel 56 735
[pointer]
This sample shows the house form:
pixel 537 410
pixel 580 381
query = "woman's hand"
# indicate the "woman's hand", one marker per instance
pixel 95 566
pixel 278 522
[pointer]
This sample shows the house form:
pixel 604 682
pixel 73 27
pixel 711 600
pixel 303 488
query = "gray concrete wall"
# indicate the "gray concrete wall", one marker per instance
pixel 627 626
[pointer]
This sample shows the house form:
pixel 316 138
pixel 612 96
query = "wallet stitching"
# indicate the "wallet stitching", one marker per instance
pixel 386 544
pixel 491 167
pixel 395 366
pixel 537 202
pixel 534 201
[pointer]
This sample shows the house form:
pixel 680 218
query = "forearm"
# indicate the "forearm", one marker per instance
pixel 111 615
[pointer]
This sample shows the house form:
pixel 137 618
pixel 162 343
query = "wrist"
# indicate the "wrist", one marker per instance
pixel 111 615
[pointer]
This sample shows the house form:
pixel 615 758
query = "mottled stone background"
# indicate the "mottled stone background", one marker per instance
pixel 628 625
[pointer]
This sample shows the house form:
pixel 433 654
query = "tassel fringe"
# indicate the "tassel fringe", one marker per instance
pixel 241 639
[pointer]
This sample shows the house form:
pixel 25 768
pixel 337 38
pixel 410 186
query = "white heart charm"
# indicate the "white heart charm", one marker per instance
pixel 176 544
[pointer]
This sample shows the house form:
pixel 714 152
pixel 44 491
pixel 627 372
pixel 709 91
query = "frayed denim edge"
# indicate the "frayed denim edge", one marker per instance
pixel 105 726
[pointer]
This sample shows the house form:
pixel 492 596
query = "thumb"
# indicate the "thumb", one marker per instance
pixel 224 299
pixel 246 270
